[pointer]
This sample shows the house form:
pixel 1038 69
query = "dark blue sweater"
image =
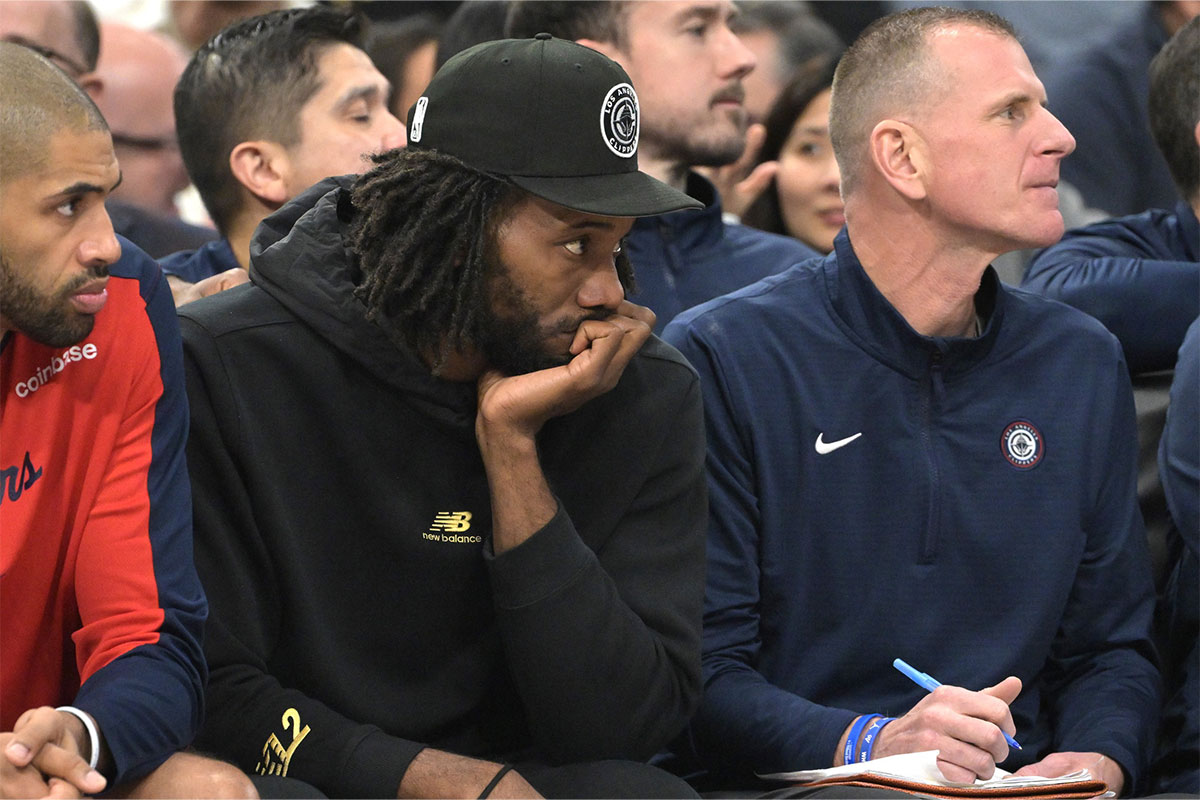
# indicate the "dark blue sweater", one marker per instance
pixel 1139 275
pixel 1103 97
pixel 194 266
pixel 984 524
pixel 687 257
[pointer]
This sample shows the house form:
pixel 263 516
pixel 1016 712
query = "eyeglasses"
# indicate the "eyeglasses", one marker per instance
pixel 68 65
pixel 148 143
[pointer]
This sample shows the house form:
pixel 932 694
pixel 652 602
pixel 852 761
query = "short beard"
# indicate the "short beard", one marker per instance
pixel 47 320
pixel 677 142
pixel 509 333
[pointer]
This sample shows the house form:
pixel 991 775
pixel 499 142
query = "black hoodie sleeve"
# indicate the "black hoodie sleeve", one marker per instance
pixel 600 610
pixel 253 720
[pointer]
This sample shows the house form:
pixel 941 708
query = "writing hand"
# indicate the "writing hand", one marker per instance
pixel 965 727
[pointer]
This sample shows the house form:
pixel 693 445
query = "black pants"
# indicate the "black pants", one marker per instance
pixel 593 779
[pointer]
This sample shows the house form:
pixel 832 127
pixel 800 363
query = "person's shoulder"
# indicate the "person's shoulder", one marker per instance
pixel 136 284
pixel 1036 317
pixel 205 261
pixel 1153 234
pixel 1146 227
pixel 787 292
pixel 242 308
pixel 661 357
pixel 753 241
pixel 136 264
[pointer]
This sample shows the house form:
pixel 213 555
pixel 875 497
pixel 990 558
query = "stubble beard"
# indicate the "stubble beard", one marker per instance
pixel 46 319
pixel 717 144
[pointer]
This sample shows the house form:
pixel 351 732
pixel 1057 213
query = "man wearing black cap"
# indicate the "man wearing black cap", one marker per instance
pixel 449 489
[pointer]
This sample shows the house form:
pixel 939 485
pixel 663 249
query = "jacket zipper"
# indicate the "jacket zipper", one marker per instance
pixel 932 394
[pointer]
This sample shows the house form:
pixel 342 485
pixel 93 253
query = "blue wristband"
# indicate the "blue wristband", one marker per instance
pixel 850 754
pixel 871 736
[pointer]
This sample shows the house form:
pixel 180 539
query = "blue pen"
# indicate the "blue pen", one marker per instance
pixel 929 684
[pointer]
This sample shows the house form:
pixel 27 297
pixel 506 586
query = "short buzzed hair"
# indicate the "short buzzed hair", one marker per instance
pixel 249 82
pixel 887 70
pixel 1175 106
pixel 601 20
pixel 37 101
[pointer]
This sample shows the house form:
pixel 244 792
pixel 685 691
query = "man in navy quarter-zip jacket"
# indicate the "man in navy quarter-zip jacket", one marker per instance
pixel 909 460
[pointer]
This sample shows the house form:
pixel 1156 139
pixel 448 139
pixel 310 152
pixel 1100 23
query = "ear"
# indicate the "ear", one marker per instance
pixel 262 167
pixel 93 84
pixel 898 153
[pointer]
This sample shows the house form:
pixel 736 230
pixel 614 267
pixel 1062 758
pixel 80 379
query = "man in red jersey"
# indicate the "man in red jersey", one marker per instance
pixel 102 678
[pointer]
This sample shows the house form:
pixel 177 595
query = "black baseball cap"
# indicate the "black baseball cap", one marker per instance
pixel 558 119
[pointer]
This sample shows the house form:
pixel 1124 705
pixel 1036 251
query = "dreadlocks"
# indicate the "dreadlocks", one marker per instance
pixel 423 237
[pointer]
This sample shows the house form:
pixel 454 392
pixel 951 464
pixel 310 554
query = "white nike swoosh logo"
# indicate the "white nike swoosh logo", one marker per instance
pixel 824 447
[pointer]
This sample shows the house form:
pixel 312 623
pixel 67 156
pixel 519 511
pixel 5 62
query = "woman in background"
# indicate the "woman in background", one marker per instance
pixel 803 199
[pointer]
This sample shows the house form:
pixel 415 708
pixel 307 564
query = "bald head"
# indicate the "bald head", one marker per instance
pixel 37 101
pixel 138 71
pixel 891 72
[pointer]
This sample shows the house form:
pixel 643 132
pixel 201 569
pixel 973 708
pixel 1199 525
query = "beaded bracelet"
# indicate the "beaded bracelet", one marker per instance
pixel 90 726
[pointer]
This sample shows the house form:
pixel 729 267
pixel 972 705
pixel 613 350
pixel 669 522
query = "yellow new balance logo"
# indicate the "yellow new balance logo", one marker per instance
pixel 457 521
pixel 449 527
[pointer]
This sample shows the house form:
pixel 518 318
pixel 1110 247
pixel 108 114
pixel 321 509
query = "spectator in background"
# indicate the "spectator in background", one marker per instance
pixel 471 23
pixel 405 52
pixel 66 32
pixel 1101 97
pixel 194 22
pixel 784 37
pixel 1140 274
pixel 803 199
pixel 138 71
pixel 265 109
pixel 687 66
pixel 1177 768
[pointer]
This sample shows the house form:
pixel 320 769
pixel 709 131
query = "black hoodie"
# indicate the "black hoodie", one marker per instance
pixel 342 527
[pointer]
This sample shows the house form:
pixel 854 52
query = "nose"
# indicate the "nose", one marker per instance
pixel 1058 140
pixel 735 60
pixel 100 247
pixel 831 176
pixel 602 289
pixel 393 134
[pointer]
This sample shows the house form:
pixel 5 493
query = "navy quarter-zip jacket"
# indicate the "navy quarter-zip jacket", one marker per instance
pixel 967 505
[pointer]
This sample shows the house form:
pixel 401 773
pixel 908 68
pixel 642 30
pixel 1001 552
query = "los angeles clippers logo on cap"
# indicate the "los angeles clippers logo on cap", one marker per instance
pixel 1022 445
pixel 619 122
